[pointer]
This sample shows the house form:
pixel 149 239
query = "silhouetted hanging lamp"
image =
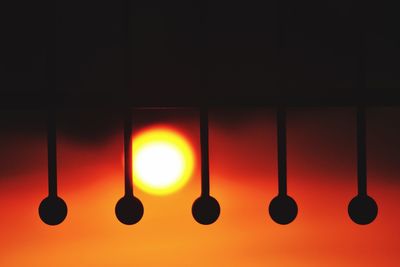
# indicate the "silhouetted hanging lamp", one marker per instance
pixel 283 208
pixel 129 209
pixel 52 209
pixel 205 209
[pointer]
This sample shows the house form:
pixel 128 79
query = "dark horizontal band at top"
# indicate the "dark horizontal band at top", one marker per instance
pixel 191 99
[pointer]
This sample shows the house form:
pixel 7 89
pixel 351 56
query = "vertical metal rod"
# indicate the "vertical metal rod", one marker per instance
pixel 281 135
pixel 128 72
pixel 52 152
pixel 128 153
pixel 205 171
pixel 281 111
pixel 361 86
pixel 361 151
pixel 51 79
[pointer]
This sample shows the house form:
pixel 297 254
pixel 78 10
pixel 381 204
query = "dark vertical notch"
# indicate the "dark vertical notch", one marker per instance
pixel 362 209
pixel 53 209
pixel 129 209
pixel 205 209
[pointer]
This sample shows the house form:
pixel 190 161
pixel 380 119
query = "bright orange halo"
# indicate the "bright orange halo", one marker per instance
pixel 162 160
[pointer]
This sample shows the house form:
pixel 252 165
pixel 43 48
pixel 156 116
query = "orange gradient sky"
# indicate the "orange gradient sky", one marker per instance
pixel 321 178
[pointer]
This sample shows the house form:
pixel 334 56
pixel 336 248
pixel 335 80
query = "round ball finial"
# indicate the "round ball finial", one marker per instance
pixel 362 209
pixel 206 210
pixel 53 210
pixel 129 210
pixel 283 209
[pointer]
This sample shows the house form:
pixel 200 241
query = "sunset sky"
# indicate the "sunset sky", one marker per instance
pixel 242 59
pixel 321 178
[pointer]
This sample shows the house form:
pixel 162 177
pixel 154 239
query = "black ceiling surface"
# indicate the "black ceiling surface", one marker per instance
pixel 198 52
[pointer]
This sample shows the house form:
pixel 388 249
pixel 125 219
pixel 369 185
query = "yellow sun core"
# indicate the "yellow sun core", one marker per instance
pixel 162 161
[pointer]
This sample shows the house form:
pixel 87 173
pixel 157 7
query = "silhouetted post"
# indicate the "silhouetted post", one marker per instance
pixel 205 169
pixel 52 152
pixel 282 209
pixel 205 209
pixel 129 209
pixel 281 136
pixel 362 209
pixel 53 209
pixel 361 152
pixel 128 154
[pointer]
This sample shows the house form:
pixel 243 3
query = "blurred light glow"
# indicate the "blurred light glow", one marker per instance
pixel 163 160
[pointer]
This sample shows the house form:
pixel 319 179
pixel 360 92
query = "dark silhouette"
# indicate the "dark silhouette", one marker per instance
pixel 192 54
pixel 362 208
pixel 283 208
pixel 52 209
pixel 205 209
pixel 129 209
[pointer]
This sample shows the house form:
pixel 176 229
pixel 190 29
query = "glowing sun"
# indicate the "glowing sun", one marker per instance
pixel 162 160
